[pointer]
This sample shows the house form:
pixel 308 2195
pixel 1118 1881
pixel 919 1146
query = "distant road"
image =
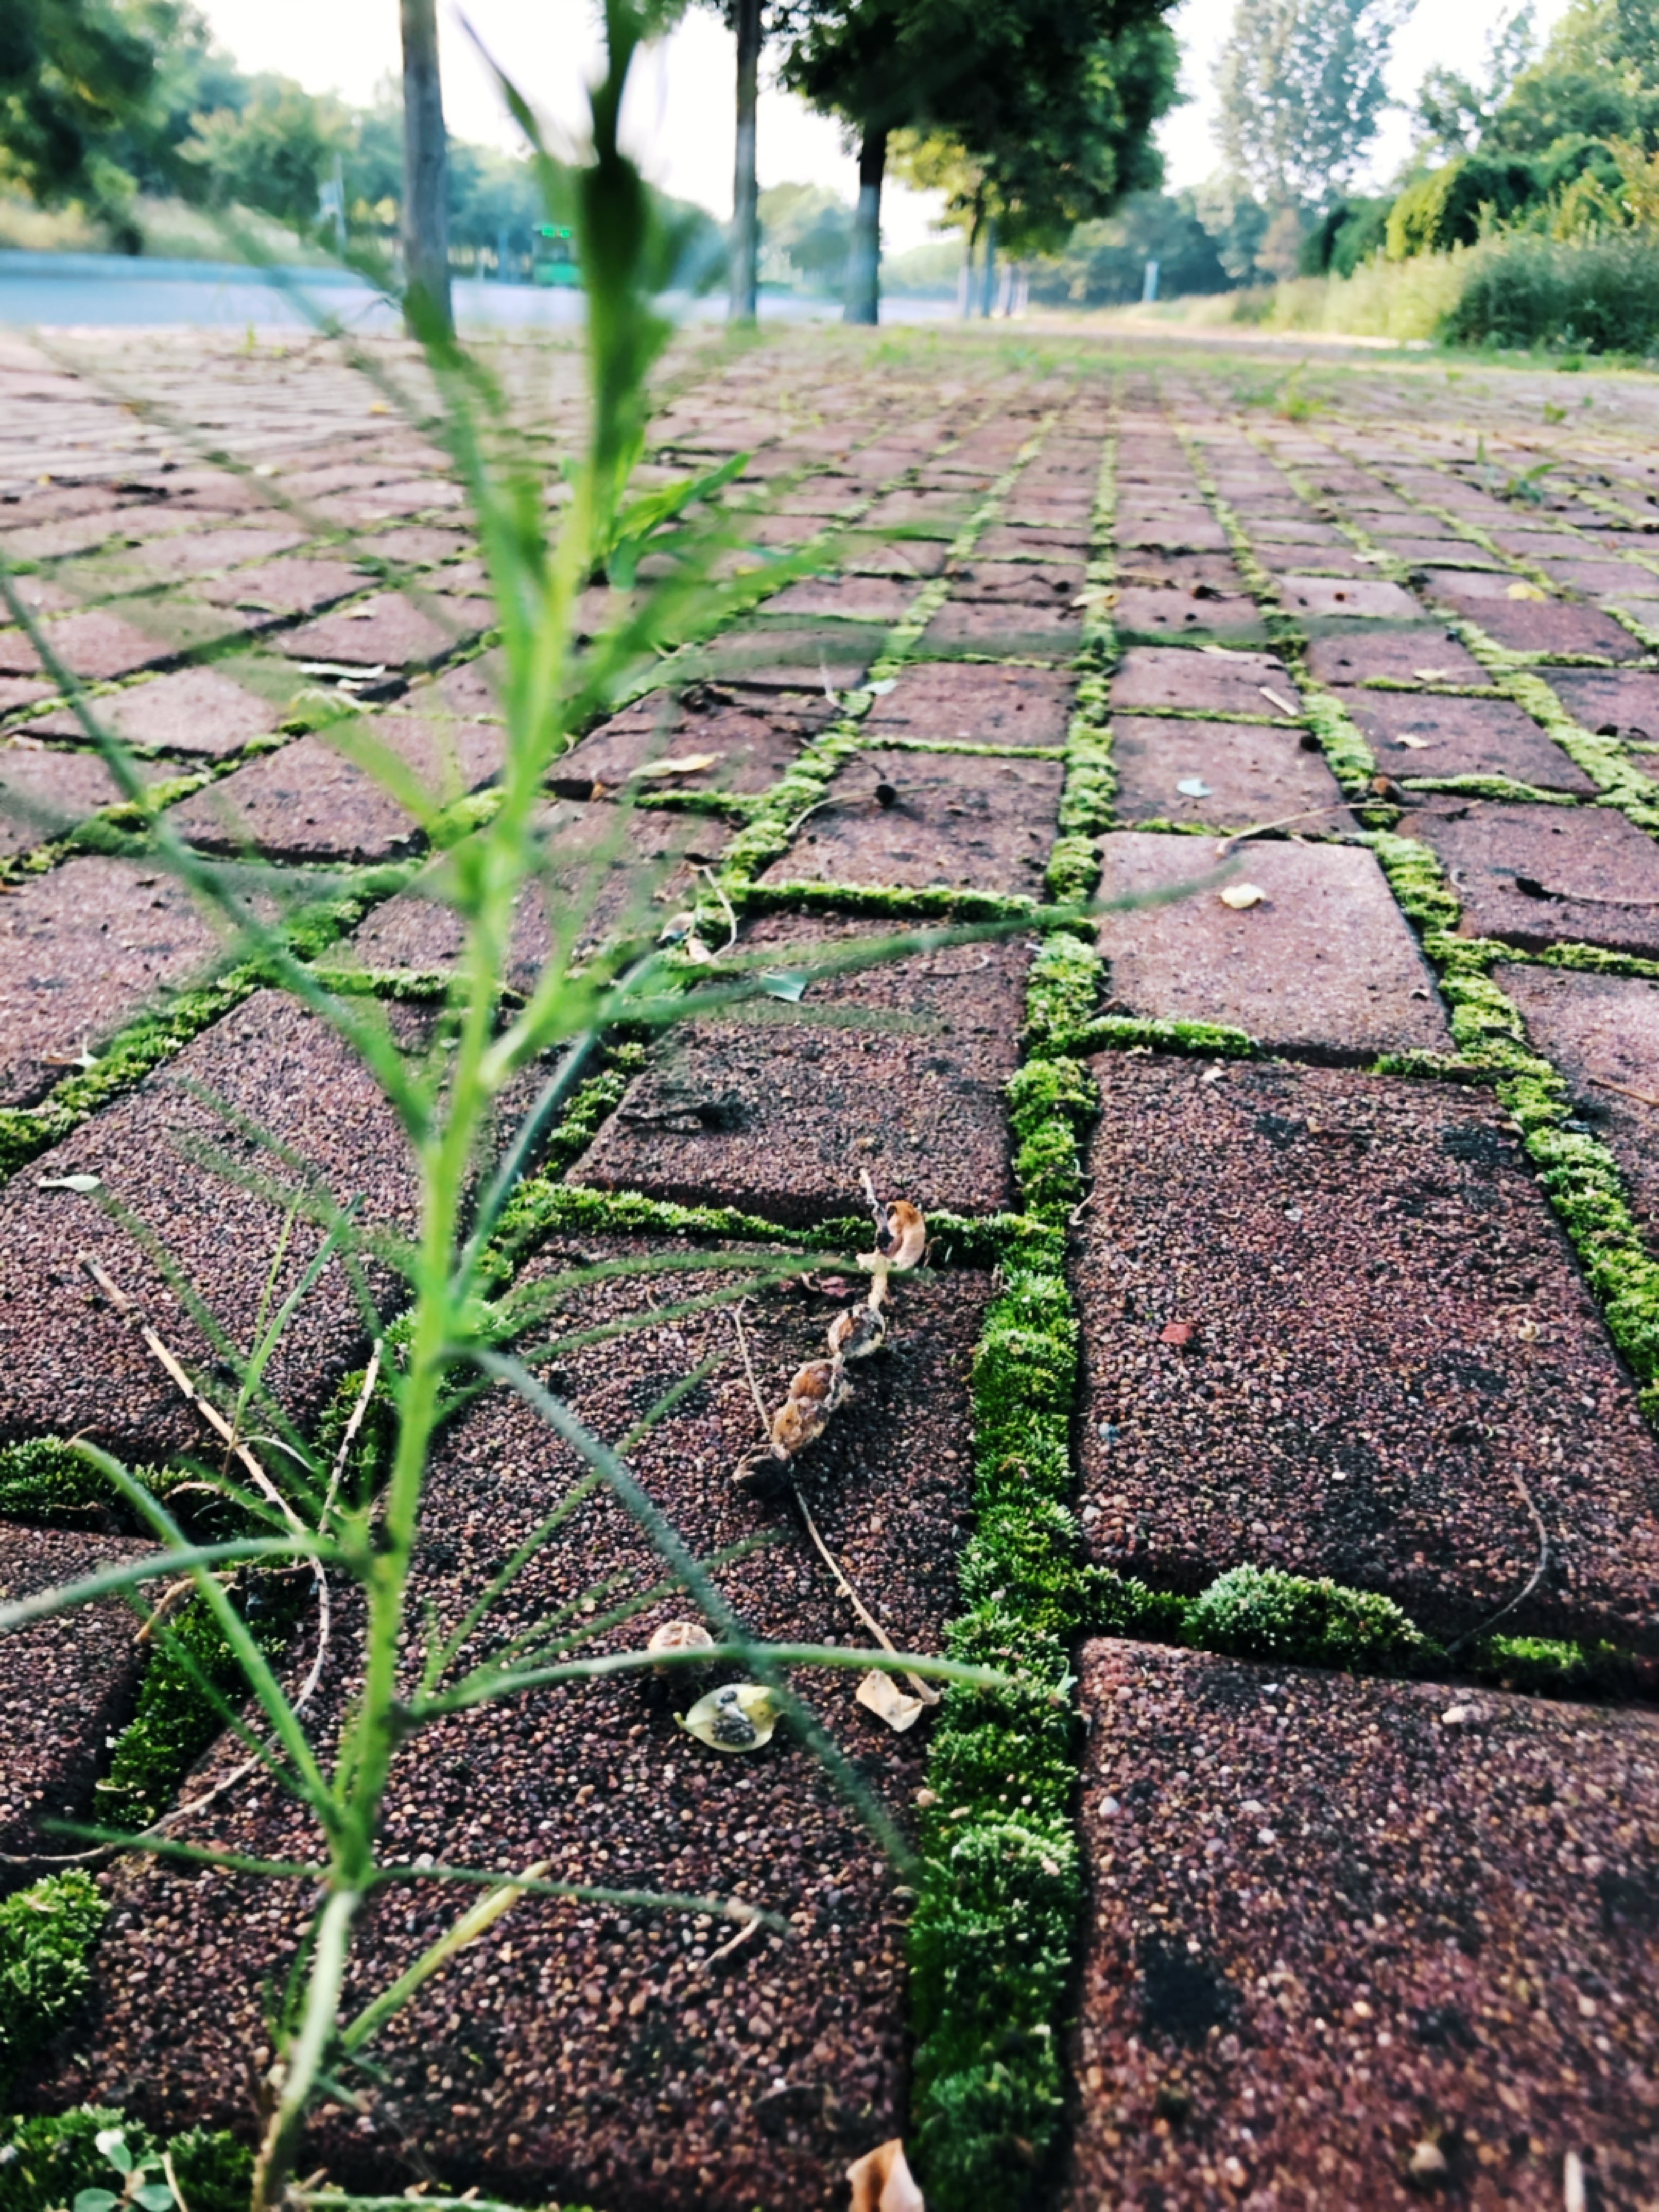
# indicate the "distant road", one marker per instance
pixel 101 291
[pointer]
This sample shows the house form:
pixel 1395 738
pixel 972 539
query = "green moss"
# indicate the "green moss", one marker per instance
pixel 215 2171
pixel 981 2130
pixel 1548 1669
pixel 1074 871
pixel 178 1715
pixel 929 905
pixel 1063 988
pixel 1257 1613
pixel 45 1479
pixel 1123 1604
pixel 1128 1033
pixel 46 1935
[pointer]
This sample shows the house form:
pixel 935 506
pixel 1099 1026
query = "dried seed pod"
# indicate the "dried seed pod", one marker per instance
pixel 739 1716
pixel 679 1635
pixel 857 1332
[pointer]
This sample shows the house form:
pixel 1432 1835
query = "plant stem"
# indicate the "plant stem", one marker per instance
pixel 304 2057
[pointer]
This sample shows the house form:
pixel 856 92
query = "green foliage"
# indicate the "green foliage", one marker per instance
pixel 45 1480
pixel 1349 232
pixel 1452 205
pixel 46 2161
pixel 215 2171
pixel 76 76
pixel 46 1935
pixel 1103 262
pixel 1529 290
pixel 191 1676
pixel 1123 1604
pixel 1302 89
pixel 1258 1612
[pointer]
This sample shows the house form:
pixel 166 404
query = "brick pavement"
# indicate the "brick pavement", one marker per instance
pixel 1352 1299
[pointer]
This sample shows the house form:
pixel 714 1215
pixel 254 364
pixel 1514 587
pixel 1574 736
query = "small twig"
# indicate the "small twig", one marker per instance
pixel 925 1691
pixel 1642 1097
pixel 1485 1627
pixel 735 1943
pixel 165 1604
pixel 749 1369
pixel 358 1413
pixel 1261 828
pixel 173 2180
pixel 1587 898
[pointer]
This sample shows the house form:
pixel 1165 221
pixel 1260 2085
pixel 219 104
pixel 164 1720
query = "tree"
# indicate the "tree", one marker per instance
pixel 1303 93
pixel 77 77
pixel 744 16
pixel 1454 111
pixel 425 207
pixel 1103 264
pixel 270 153
pixel 1046 106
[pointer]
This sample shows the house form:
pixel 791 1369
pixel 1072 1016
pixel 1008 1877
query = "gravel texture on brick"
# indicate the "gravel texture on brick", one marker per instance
pixel 391 631
pixel 750 750
pixel 1227 684
pixel 1462 736
pixel 1548 875
pixel 994 631
pixel 1323 964
pixel 582 2052
pixel 1600 1031
pixel 1143 612
pixel 308 802
pixel 67 1366
pixel 943 701
pixel 197 711
pixel 1526 626
pixel 97 647
pixel 853 598
pixel 1421 656
pixel 988 582
pixel 279 588
pixel 1251 773
pixel 911 819
pixel 83 950
pixel 1336 1927
pixel 1329 598
pixel 779 656
pixel 1624 704
pixel 1181 571
pixel 1390 1342
pixel 898 1069
pixel 66 1683
pixel 44 793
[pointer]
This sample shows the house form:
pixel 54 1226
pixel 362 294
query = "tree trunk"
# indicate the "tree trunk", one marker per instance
pixel 426 209
pixel 965 288
pixel 863 262
pixel 745 186
pixel 987 298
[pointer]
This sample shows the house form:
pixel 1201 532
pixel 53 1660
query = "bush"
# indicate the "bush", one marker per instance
pixel 1259 1612
pixel 1532 291
pixel 46 2161
pixel 46 1935
pixel 1448 207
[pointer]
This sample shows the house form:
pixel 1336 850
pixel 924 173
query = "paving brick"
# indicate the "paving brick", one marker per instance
pixel 1425 656
pixel 960 820
pixel 898 1068
pixel 68 1681
pixel 1325 963
pixel 201 711
pixel 1527 626
pixel 1181 571
pixel 945 701
pixel 18 692
pixel 749 752
pixel 391 631
pixel 205 552
pixel 1225 682
pixel 1331 1922
pixel 1325 598
pixel 856 598
pixel 1548 875
pixel 779 656
pixel 82 951
pixel 1018 583
pixel 1621 703
pixel 1193 532
pixel 915 558
pixel 44 793
pixel 998 632
pixel 96 645
pixel 1462 736
pixel 308 802
pixel 613 2033
pixel 1253 774
pixel 1390 1344
pixel 68 1366
pixel 1003 541
pixel 1201 613
pixel 1602 1032
pixel 281 588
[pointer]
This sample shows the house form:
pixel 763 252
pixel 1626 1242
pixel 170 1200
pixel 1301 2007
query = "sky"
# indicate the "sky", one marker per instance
pixel 678 120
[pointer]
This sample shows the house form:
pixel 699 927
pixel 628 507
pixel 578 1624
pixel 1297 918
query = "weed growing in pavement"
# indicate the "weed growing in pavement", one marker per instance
pixel 323 1519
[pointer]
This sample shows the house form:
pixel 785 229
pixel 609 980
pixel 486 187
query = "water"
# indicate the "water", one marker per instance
pixel 103 291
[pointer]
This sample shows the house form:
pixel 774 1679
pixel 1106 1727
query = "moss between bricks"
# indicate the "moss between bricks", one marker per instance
pixel 46 1935
pixel 1580 1176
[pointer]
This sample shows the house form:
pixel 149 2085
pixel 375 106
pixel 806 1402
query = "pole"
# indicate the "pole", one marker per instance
pixel 745 184
pixel 426 210
pixel 988 296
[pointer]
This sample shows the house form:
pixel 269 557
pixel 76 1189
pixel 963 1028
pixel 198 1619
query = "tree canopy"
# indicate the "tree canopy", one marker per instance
pixel 1302 92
